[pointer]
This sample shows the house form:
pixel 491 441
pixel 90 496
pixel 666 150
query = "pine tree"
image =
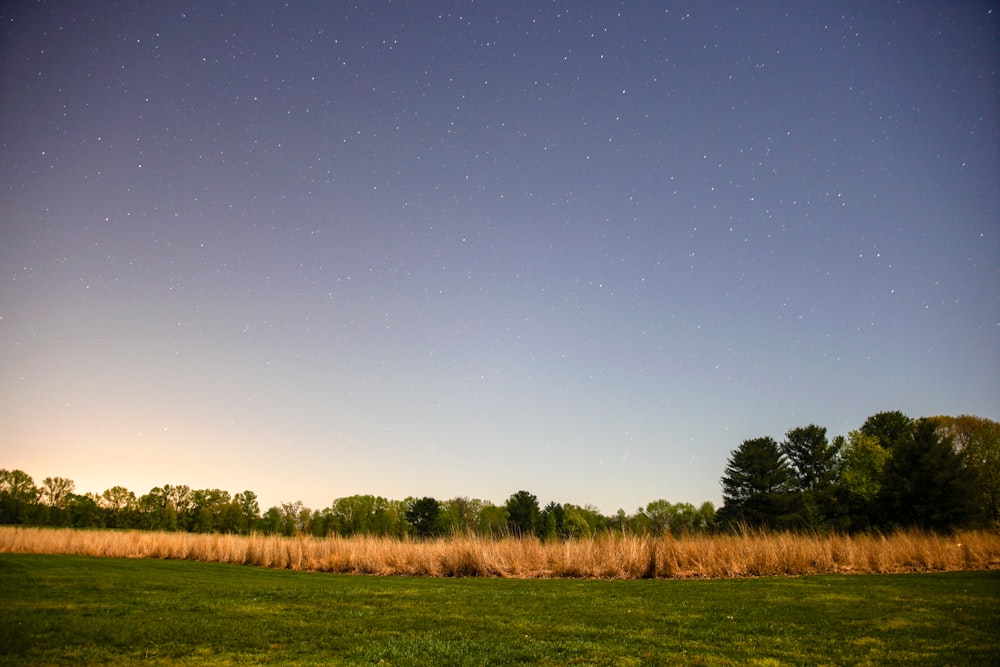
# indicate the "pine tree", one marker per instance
pixel 755 487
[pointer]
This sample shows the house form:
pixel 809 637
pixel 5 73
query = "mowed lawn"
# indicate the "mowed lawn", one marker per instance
pixel 77 610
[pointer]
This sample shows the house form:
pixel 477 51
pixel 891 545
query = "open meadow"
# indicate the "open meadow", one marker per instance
pixel 71 610
pixel 610 556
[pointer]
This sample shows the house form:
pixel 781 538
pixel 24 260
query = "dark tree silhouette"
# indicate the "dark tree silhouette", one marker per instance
pixel 423 515
pixel 522 513
pixel 888 427
pixel 755 486
pixel 925 483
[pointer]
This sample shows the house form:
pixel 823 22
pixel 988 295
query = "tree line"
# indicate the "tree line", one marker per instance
pixel 934 473
pixel 180 508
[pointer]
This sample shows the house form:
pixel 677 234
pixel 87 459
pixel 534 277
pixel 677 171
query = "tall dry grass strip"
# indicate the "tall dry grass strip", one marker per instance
pixel 605 557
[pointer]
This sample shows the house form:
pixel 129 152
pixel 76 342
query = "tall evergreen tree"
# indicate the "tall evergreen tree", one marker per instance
pixel 424 515
pixel 812 458
pixel 755 485
pixel 925 483
pixel 815 467
pixel 523 513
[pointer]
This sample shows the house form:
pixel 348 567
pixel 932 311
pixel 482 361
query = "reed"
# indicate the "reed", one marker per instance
pixel 609 556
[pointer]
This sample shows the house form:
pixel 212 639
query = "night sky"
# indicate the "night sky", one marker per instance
pixel 583 249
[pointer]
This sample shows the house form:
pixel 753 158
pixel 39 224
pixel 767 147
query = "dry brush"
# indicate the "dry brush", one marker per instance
pixel 609 556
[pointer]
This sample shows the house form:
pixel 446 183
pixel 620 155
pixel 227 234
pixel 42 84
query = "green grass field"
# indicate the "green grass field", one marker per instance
pixel 79 610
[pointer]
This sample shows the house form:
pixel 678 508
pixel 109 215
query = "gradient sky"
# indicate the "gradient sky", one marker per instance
pixel 584 249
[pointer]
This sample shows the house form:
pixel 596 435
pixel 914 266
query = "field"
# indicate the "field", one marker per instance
pixel 606 557
pixel 70 610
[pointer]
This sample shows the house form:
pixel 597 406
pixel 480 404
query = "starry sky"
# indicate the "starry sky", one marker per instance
pixel 314 249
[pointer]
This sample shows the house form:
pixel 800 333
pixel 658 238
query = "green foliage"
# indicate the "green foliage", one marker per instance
pixel 54 498
pixel 662 517
pixel 553 521
pixel 925 482
pixel 812 458
pixel 56 491
pixel 581 521
pixel 207 509
pixel 459 515
pixel 755 487
pixel 815 465
pixel 18 497
pixel 888 427
pixel 492 520
pixel 522 513
pixel 67 610
pixel 271 523
pixel 424 515
pixel 978 440
pixel 863 463
pixel 158 510
pixel 568 521
pixel 367 515
pixel 249 508
pixel 84 512
pixel 892 472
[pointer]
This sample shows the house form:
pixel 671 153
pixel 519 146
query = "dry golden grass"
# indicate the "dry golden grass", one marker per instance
pixel 605 557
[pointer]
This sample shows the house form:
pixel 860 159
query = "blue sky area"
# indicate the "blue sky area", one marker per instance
pixel 583 249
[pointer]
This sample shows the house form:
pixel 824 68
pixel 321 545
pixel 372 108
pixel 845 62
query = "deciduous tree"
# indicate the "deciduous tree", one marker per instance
pixel 249 507
pixel 18 496
pixel 120 506
pixel 56 491
pixel 157 510
pixel 84 511
pixel 552 521
pixel 492 520
pixel 863 462
pixel 459 515
pixel 978 439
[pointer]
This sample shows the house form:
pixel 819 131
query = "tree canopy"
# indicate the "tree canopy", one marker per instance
pixel 935 473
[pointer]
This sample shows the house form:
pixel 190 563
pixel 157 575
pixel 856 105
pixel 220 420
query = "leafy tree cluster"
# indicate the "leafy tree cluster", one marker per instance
pixel 169 508
pixel 180 508
pixel 935 473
